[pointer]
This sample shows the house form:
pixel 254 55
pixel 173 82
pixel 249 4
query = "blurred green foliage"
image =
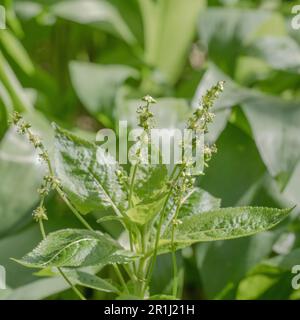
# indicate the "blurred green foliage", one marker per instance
pixel 84 64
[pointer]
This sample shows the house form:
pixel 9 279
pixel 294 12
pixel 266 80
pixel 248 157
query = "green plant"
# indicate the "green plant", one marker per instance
pixel 159 212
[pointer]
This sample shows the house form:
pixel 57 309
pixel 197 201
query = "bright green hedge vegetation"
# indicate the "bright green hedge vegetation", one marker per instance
pixel 142 231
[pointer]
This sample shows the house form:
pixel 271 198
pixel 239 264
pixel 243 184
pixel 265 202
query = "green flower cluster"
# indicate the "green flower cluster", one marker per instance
pixel 202 117
pixel 50 182
pixel 145 116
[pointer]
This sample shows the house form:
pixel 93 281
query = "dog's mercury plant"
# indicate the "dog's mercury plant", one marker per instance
pixel 160 211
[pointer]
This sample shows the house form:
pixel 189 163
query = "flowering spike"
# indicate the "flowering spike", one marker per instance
pixel 145 116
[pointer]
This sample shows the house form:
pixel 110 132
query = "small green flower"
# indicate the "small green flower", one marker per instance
pixel 44 156
pixel 23 127
pixel 176 222
pixel 16 117
pixel 53 181
pixel 40 214
pixel 43 191
pixel 123 179
pixel 202 116
pixel 208 152
pixel 149 99
pixel 35 140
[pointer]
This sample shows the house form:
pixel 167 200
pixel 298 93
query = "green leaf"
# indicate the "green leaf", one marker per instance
pixel 27 10
pixel 90 281
pixel 224 223
pixel 275 127
pixel 227 262
pixel 17 275
pixel 16 50
pixel 265 286
pixel 169 29
pixel 130 12
pixel 96 86
pixel 149 183
pixel 272 49
pixel 17 94
pixel 148 191
pixel 88 174
pixel 273 122
pixel 17 159
pixel 284 262
pixel 270 279
pixel 38 290
pixel 109 218
pixel 162 297
pixel 76 248
pixel 100 14
pixel 292 190
pixel 238 28
pixel 143 213
pixel 235 169
pixel 126 296
pixel 198 201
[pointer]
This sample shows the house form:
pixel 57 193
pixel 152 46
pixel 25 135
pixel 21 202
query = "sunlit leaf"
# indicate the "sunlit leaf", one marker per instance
pixel 224 223
pixel 76 248
pixel 88 174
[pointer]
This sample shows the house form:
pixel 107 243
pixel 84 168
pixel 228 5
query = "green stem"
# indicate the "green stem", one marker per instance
pixel 142 278
pixel 130 274
pixel 42 229
pixel 121 278
pixel 72 208
pixel 132 185
pixel 132 250
pixel 66 200
pixel 16 92
pixel 161 222
pixel 174 261
pixel 143 265
pixel 78 293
